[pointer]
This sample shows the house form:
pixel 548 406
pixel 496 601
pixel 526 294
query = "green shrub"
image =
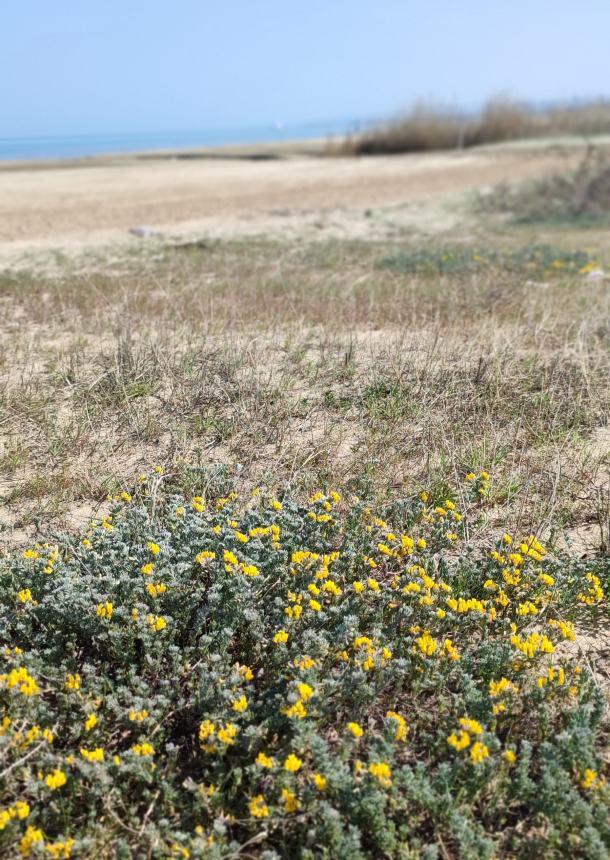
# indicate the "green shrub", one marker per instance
pixel 579 197
pixel 229 676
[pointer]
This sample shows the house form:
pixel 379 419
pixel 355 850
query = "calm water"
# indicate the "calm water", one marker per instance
pixel 76 146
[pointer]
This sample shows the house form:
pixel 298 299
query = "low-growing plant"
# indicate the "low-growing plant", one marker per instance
pixel 220 676
pixel 532 259
pixel 579 197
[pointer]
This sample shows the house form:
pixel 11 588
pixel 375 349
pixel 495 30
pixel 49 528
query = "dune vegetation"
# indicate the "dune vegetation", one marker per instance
pixel 204 676
pixel 429 127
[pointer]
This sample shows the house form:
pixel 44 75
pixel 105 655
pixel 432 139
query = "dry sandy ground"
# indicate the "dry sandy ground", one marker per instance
pixel 98 201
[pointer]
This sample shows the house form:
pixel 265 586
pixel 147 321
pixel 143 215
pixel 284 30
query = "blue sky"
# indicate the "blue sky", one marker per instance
pixel 82 66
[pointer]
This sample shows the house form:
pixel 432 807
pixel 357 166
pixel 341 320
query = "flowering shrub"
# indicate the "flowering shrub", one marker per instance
pixel 210 677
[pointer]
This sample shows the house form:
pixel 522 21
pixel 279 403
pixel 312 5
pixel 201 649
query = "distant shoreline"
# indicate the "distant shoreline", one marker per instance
pixel 84 147
pixel 284 149
pixel 274 151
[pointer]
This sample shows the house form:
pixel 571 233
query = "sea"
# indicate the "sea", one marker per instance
pixel 85 145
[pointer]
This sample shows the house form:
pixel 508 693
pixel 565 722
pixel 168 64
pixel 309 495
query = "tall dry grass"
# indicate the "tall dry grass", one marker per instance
pixel 429 128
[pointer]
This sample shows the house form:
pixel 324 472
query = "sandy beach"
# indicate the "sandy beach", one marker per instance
pixel 241 191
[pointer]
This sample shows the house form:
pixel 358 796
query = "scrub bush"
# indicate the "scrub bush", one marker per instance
pixel 248 676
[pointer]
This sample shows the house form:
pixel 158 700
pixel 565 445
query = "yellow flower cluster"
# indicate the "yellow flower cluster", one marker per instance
pixel 209 732
pixel 20 809
pixel 21 680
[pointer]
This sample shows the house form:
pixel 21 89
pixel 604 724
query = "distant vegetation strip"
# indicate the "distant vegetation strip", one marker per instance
pixel 428 127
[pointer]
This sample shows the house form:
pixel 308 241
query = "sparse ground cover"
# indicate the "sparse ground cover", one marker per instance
pixel 380 368
pixel 310 364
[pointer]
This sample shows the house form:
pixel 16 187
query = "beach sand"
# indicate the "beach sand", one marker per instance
pixel 244 191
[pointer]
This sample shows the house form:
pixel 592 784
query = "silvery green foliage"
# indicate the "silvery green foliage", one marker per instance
pixel 183 656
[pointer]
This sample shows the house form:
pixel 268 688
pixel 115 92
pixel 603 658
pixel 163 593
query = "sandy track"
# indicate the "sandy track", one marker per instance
pixel 100 201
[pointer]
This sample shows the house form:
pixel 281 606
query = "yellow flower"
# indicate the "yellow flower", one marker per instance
pixel 293 763
pixel 297 710
pixel 355 729
pixel 402 729
pixel 56 779
pixel 21 680
pixel 227 734
pixel 155 589
pixel 156 622
pixel 246 672
pixel 31 837
pixel 427 645
pixel 382 772
pixel 93 755
pixel 145 750
pixel 590 779
pixel 240 704
pixel 479 752
pixel 566 628
pixel 154 548
pixel 206 730
pixel 291 803
pixel 265 761
pixel 459 742
pixel 510 756
pixel 497 688
pixel 305 691
pixel 320 781
pixel 104 610
pixel 472 726
pixel 138 716
pixel 73 682
pixel 450 650
pixel 147 569
pixel 281 637
pixel 258 807
pixel 90 722
pixel 305 662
